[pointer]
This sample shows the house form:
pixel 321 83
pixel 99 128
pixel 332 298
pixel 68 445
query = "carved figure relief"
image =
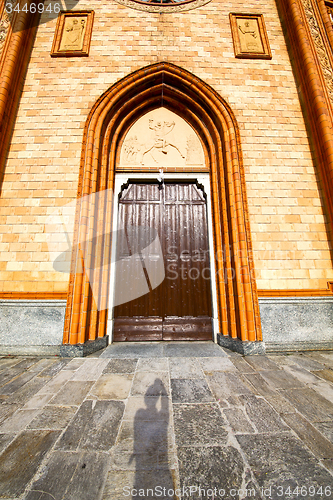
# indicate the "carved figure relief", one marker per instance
pixel 73 33
pixel 249 36
pixel 161 139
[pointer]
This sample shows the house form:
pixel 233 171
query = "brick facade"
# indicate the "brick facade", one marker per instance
pixel 289 234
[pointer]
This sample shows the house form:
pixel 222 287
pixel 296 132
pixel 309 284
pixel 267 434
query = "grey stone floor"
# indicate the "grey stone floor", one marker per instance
pixel 166 421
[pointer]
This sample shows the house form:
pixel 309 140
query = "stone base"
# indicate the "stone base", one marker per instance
pixel 27 325
pixel 243 347
pixel 298 346
pixel 297 323
pixel 30 350
pixel 81 350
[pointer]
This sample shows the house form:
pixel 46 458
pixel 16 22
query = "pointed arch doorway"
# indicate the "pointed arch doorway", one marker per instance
pixel 113 114
pixel 176 268
pixel 162 283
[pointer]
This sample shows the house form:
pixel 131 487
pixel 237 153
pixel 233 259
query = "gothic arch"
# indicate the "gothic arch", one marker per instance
pixel 114 112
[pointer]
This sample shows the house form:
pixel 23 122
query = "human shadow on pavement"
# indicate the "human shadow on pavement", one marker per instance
pixel 153 478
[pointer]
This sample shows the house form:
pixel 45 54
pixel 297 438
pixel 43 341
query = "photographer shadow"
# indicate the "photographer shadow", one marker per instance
pixel 153 478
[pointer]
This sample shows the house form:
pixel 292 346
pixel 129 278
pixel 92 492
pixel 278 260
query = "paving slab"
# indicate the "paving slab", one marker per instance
pixel 326 374
pixel 190 391
pixel 238 420
pixel 94 426
pixel 21 459
pixel 241 364
pixel 7 410
pixel 140 431
pixel 55 367
pixel 185 368
pixel 311 404
pixel 112 386
pixel 226 384
pixel 193 350
pixel 262 415
pixel 56 383
pixel 53 417
pixel 326 428
pixel 314 440
pixel 150 384
pixel 28 390
pixel 54 476
pixel 73 393
pixel 38 401
pixel 280 404
pixel 121 366
pixel 133 350
pixel 17 383
pixel 259 384
pixel 303 375
pixel 137 403
pixel 207 468
pixel 8 363
pixel 305 362
pixel 18 421
pixel 261 363
pixel 5 439
pixel 152 365
pixel 71 476
pixel 90 370
pixel 170 415
pixel 218 363
pixel 281 379
pixel 280 462
pixel 199 425
pixel 120 484
pixel 324 388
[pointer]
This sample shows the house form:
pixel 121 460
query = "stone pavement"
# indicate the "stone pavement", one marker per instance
pixel 150 419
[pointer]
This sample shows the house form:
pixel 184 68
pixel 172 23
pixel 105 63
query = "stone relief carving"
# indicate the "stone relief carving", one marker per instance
pixel 161 138
pixel 73 33
pixel 249 35
pixel 320 46
pixel 4 25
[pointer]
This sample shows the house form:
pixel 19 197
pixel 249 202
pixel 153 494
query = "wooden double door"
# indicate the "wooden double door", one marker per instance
pixel 163 283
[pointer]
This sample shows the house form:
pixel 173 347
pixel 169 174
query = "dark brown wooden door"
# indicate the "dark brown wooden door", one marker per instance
pixel 162 229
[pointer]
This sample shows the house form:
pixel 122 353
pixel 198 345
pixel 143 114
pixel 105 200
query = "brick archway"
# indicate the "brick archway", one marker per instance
pixel 188 96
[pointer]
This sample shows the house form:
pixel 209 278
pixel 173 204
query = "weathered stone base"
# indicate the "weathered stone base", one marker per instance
pixel 81 350
pixel 298 346
pixel 297 323
pixel 243 347
pixel 27 325
pixel 30 350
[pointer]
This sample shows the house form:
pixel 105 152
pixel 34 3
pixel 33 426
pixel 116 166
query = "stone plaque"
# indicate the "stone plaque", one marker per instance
pixel 73 34
pixel 162 139
pixel 249 36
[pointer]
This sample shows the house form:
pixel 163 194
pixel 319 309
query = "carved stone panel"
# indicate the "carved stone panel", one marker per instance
pixel 161 139
pixel 73 34
pixel 249 36
pixel 4 26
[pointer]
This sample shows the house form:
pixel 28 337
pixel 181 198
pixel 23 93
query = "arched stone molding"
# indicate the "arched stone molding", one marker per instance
pixel 164 84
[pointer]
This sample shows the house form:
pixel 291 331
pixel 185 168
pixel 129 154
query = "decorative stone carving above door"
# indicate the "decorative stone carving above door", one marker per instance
pixel 161 139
